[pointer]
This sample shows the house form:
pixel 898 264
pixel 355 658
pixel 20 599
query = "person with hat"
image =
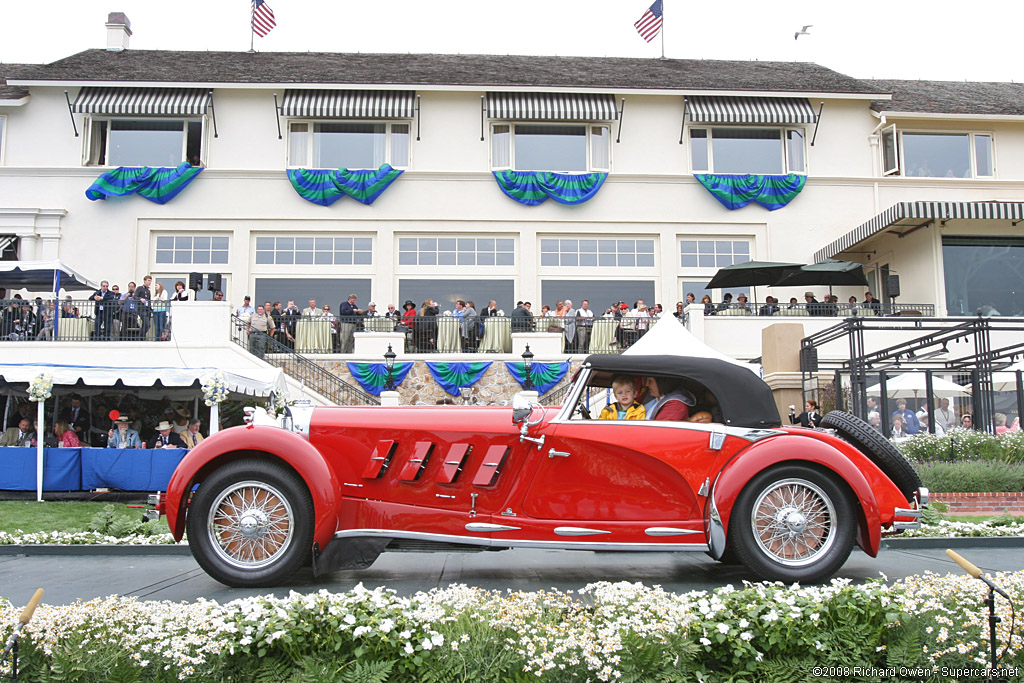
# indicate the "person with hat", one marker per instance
pixel 812 305
pixel 371 310
pixel 246 309
pixel 191 436
pixel 122 436
pixel 179 416
pixel 166 437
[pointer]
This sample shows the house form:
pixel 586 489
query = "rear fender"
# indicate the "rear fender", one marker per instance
pixel 769 452
pixel 259 442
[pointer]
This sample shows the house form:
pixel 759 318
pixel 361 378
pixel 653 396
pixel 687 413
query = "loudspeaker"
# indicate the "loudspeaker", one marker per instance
pixel 892 283
pixel 213 282
pixel 195 281
pixel 809 359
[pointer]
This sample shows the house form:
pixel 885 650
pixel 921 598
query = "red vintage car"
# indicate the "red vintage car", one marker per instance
pixel 338 486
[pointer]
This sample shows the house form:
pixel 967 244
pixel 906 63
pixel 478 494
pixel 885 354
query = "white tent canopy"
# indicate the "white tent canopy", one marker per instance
pixel 43 276
pixel 669 336
pixel 247 381
pixel 912 385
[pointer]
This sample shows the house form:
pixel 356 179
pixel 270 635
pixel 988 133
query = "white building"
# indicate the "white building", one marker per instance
pixel 920 179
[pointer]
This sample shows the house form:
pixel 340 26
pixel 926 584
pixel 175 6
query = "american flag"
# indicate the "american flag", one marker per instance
pixel 649 25
pixel 263 18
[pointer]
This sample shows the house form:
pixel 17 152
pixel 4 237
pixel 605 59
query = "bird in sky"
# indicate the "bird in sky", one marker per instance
pixel 803 32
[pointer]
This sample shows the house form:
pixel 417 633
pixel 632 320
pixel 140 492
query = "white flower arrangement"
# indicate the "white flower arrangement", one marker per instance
pixel 215 390
pixel 277 403
pixel 501 313
pixel 40 388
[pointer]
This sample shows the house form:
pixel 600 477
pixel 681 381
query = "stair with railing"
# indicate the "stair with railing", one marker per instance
pixel 302 369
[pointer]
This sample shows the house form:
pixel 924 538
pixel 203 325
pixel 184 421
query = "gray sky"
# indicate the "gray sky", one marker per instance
pixel 937 40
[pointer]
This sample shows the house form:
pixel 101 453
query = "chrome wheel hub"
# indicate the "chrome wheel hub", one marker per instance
pixel 794 522
pixel 250 524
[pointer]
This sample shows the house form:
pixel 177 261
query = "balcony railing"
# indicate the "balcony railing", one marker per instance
pixel 83 320
pixel 310 373
pixel 818 309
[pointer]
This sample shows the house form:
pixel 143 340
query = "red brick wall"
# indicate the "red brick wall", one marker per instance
pixel 982 503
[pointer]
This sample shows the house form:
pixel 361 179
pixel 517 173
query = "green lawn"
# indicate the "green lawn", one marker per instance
pixel 32 516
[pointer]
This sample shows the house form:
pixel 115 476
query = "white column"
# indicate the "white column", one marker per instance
pixel 39 449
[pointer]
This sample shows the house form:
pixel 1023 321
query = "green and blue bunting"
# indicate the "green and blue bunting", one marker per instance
pixel 544 376
pixel 736 191
pixel 533 187
pixel 159 185
pixel 453 377
pixel 373 377
pixel 324 187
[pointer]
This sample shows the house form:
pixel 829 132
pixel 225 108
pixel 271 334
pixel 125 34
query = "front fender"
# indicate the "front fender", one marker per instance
pixel 253 441
pixel 847 463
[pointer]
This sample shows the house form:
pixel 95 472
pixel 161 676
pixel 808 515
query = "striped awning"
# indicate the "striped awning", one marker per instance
pixel 910 214
pixel 349 104
pixel 777 110
pixel 142 101
pixel 534 106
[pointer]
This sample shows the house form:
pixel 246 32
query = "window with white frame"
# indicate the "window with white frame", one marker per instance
pixel 143 142
pixel 456 251
pixel 713 253
pixel 315 251
pixel 597 253
pixel 772 151
pixel 575 147
pixel 192 249
pixel 929 154
pixel 347 144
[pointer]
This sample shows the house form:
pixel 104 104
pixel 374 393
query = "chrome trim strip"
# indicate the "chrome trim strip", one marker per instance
pixel 486 526
pixel 512 543
pixel 578 531
pixel 716 530
pixel 669 531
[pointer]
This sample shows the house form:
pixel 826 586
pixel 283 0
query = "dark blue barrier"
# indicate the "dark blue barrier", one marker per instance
pixel 129 469
pixel 62 469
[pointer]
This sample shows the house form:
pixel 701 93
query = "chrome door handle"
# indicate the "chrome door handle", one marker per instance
pixel 557 454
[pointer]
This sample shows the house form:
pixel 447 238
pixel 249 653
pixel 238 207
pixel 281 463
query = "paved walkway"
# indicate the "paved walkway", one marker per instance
pixel 67 578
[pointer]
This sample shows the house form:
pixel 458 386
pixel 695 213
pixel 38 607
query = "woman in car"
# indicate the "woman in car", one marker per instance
pixel 672 401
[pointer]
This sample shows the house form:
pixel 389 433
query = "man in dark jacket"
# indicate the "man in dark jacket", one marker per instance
pixel 522 319
pixel 348 318
pixel 143 296
pixel 105 302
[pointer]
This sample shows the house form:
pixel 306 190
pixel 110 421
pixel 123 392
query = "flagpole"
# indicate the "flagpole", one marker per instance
pixel 252 27
pixel 663 29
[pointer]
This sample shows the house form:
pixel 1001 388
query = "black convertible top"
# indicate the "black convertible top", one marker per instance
pixel 744 398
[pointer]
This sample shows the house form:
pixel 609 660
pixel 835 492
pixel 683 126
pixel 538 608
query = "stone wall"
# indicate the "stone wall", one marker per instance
pixel 496 387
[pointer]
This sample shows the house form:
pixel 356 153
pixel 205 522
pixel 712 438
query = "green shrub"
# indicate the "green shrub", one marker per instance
pixel 971 476
pixel 112 521
pixel 965 444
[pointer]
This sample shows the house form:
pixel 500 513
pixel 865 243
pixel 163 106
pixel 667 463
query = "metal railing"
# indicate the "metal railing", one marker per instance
pixel 83 320
pixel 297 366
pixel 818 309
pixel 555 397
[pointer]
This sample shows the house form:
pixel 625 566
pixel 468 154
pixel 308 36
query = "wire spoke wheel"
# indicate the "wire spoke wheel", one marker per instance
pixel 250 524
pixel 794 522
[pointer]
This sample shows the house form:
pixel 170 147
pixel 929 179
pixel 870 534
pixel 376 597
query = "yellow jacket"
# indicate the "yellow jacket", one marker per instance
pixel 634 412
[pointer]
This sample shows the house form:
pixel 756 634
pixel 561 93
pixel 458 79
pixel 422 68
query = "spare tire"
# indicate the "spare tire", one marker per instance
pixel 871 443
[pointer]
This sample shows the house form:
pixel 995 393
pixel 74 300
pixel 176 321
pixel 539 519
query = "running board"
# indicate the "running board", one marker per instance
pixel 450 539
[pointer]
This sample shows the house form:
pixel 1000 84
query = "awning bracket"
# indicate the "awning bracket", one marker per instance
pixel 213 112
pixel 483 114
pixel 277 116
pixel 418 101
pixel 618 134
pixel 71 113
pixel 817 120
pixel 682 125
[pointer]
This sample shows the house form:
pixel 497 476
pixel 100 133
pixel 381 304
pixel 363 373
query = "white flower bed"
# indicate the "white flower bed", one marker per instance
pixel 604 632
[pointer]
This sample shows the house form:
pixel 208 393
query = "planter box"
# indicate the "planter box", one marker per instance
pixel 982 503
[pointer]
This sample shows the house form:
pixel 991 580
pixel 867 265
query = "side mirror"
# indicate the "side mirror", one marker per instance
pixel 521 409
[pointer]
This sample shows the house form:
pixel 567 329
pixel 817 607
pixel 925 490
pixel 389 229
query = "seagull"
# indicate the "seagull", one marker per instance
pixel 803 32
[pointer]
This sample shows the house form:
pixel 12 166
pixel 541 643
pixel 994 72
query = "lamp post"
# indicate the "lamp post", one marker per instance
pixel 528 367
pixel 389 363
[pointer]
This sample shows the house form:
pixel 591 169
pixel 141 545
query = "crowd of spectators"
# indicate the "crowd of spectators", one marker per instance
pixel 279 321
pixel 135 423
pixel 829 306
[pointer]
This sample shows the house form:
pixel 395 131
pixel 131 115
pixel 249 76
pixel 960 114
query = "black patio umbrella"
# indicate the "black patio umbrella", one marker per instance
pixel 829 272
pixel 751 273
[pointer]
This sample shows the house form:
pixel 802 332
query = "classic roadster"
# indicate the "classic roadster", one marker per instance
pixel 335 487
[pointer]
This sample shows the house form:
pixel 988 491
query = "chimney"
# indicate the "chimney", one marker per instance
pixel 119 29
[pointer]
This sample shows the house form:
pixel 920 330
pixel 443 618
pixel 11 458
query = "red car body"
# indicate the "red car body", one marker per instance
pixel 472 476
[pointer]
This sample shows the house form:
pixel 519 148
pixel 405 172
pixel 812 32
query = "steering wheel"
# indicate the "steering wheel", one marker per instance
pixel 583 411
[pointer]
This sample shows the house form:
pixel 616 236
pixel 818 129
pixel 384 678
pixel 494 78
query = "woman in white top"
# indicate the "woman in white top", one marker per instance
pixel 159 310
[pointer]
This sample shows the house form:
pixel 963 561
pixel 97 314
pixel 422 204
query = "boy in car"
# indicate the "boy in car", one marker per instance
pixel 626 407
